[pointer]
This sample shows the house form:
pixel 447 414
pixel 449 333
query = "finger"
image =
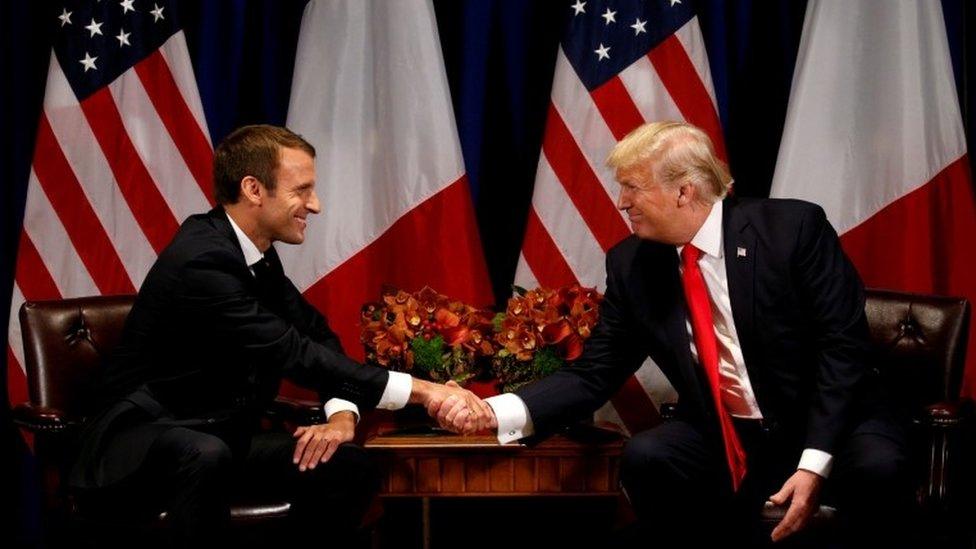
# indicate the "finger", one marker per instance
pixel 461 418
pixel 300 446
pixel 444 407
pixel 300 431
pixel 455 410
pixel 452 383
pixel 779 498
pixel 321 448
pixel 791 522
pixel 330 449
pixel 311 454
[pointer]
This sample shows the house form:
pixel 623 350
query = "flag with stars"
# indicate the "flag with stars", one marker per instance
pixel 122 157
pixel 620 64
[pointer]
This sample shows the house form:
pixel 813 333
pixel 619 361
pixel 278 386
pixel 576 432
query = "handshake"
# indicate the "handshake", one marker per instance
pixel 456 409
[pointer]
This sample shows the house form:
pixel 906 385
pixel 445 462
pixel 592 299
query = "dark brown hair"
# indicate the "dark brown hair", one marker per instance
pixel 252 150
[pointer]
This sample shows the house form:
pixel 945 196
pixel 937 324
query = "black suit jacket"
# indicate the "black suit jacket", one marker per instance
pixel 206 346
pixel 798 307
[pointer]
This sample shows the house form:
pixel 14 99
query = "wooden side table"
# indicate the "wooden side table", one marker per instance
pixel 445 465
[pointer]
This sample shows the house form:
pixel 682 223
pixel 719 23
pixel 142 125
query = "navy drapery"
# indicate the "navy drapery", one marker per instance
pixel 499 56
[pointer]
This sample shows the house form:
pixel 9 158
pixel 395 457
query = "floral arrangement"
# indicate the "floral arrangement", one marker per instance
pixel 427 335
pixel 430 336
pixel 541 330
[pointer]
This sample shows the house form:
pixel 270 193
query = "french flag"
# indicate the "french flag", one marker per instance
pixel 874 135
pixel 370 92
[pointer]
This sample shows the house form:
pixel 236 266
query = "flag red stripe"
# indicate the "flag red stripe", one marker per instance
pixel 617 107
pixel 635 407
pixel 685 87
pixel 84 229
pixel 140 191
pixel 543 256
pixel 581 184
pixel 32 276
pixel 920 243
pixel 183 128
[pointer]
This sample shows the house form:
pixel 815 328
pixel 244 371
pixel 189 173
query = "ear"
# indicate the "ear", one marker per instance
pixel 252 190
pixel 687 193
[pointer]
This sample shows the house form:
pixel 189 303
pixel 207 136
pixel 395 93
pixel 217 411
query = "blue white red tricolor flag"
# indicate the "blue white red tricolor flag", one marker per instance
pixel 620 64
pixel 122 157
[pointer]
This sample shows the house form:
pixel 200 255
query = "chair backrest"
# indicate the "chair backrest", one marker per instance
pixel 920 341
pixel 65 343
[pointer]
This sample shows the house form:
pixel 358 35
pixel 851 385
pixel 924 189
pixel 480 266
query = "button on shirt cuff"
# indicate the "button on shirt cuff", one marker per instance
pixel 512 416
pixel 396 394
pixel 816 461
pixel 336 405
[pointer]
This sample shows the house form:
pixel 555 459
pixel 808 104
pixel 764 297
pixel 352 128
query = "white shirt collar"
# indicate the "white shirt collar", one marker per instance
pixel 251 252
pixel 708 239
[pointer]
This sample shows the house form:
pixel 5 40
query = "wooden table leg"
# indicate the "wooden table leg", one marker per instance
pixel 425 520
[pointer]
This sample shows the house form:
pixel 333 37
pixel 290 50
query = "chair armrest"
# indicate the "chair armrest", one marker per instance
pixel 303 412
pixel 39 419
pixel 946 414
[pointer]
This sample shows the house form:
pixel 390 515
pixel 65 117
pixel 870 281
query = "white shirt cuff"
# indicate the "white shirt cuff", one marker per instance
pixel 816 461
pixel 396 394
pixel 512 416
pixel 335 405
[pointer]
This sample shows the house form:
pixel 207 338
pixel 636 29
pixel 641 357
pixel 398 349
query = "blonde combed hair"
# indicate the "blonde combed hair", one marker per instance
pixel 679 152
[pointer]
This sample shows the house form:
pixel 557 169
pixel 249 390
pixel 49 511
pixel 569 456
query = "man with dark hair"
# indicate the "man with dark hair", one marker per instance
pixel 756 317
pixel 214 329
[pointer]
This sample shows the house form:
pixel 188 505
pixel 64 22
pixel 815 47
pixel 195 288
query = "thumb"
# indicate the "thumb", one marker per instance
pixel 781 497
pixel 452 383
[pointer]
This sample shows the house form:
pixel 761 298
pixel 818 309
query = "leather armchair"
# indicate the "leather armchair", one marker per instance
pixel 65 342
pixel 920 344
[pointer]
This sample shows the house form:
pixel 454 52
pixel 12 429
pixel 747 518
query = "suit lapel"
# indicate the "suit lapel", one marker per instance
pixel 740 270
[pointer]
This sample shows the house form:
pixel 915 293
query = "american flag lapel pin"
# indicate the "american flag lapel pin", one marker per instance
pixel 740 251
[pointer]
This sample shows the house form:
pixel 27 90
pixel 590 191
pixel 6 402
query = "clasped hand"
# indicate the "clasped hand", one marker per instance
pixel 456 409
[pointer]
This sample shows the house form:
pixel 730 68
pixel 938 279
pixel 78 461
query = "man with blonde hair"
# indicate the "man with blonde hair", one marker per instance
pixel 756 317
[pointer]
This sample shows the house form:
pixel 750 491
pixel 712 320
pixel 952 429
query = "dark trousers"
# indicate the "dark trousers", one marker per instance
pixel 193 476
pixel 679 486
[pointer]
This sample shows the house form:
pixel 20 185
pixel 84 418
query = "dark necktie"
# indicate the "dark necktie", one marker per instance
pixel 700 313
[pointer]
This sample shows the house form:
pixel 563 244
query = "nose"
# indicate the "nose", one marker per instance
pixel 623 199
pixel 313 205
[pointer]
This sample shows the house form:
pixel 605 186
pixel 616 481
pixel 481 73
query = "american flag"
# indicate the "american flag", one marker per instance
pixel 122 157
pixel 620 64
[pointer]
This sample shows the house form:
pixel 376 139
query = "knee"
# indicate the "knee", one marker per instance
pixel 879 470
pixel 643 456
pixel 207 454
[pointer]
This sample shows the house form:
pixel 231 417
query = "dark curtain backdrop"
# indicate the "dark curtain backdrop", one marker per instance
pixel 499 56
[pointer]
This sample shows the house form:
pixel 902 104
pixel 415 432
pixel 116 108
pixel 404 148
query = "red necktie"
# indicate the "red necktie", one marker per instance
pixel 700 311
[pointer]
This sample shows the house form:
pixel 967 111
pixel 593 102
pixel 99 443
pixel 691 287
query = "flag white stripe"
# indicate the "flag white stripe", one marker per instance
pixel 14 338
pixel 156 148
pixel 177 57
pixel 88 162
pixel 648 93
pixel 524 276
pixel 53 245
pixel 567 228
pixel 584 121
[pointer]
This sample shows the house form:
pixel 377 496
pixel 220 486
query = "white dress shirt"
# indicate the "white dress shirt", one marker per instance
pixel 398 386
pixel 736 390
